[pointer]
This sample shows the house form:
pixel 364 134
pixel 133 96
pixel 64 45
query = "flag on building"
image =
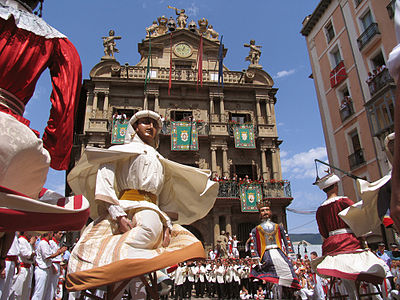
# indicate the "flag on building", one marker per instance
pixel 200 63
pixel 250 195
pixel 220 64
pixel 338 74
pixel 244 136
pixel 118 131
pixel 184 136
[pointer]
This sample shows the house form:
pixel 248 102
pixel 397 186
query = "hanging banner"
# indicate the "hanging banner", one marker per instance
pixel 250 195
pixel 118 131
pixel 184 136
pixel 244 136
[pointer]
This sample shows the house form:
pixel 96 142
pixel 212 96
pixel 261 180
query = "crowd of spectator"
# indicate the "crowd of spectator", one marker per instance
pixel 372 83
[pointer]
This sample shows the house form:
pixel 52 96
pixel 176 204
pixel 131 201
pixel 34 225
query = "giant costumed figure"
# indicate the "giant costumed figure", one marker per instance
pixel 28 46
pixel 343 254
pixel 268 243
pixel 135 195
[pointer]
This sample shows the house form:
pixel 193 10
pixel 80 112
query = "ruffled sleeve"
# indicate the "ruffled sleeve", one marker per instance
pixel 66 75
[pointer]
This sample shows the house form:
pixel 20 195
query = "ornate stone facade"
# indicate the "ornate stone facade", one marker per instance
pixel 247 96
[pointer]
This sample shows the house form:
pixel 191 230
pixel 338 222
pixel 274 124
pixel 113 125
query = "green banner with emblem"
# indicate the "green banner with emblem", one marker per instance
pixel 250 195
pixel 118 131
pixel 184 136
pixel 244 136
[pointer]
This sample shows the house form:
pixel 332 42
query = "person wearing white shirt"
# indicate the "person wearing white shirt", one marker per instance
pixel 210 279
pixel 195 271
pixel 56 261
pixel 190 279
pixel 8 272
pixel 228 280
pixel 179 280
pixel 23 283
pixel 202 279
pixel 44 255
pixel 219 275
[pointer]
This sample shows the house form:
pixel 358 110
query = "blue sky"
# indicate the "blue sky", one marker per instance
pixel 273 24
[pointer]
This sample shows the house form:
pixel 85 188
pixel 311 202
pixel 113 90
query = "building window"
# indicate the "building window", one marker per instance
pixel 244 172
pixel 336 57
pixel 214 76
pixel 329 32
pixel 357 2
pixel 181 115
pixel 391 8
pixel 366 20
pixel 356 159
pixel 346 108
pixel 239 118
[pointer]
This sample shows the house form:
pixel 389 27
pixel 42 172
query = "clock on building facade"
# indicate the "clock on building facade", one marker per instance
pixel 183 50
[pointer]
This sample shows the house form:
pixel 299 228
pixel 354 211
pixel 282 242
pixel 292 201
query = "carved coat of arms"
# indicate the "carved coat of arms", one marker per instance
pixel 184 136
pixel 244 136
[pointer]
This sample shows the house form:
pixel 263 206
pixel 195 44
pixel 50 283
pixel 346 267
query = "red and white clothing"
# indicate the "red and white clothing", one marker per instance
pixel 56 267
pixel 343 256
pixel 28 46
pixel 42 271
pixel 11 262
pixel 23 283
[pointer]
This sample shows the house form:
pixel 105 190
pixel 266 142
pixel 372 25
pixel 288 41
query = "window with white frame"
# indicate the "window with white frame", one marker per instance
pixel 329 32
pixel 366 20
pixel 213 76
pixel 336 57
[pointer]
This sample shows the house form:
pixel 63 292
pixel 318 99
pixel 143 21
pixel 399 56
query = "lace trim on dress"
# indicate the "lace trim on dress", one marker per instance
pixel 28 21
pixel 331 200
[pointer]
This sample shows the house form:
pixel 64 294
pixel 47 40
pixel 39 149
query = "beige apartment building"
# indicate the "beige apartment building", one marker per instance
pixel 348 43
pixel 172 89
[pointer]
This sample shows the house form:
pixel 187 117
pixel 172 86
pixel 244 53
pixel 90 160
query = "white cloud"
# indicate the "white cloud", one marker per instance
pixel 192 11
pixel 284 73
pixel 301 165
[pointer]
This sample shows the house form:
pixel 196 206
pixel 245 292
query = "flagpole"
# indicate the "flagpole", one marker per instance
pixel 336 168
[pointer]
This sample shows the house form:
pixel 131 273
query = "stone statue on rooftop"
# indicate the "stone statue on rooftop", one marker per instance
pixel 182 17
pixel 152 29
pixel 211 33
pixel 162 25
pixel 109 44
pixel 203 23
pixel 254 54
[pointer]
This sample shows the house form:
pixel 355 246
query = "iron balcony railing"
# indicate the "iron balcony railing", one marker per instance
pixel 356 159
pixel 271 189
pixel 367 35
pixel 231 128
pixel 379 81
pixel 202 128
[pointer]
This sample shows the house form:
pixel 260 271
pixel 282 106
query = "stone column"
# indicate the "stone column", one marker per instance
pixel 264 168
pixel 228 227
pixel 156 104
pixel 268 111
pixel 222 109
pixel 214 160
pixel 105 105
pixel 278 162
pixel 225 166
pixel 258 111
pixel 211 105
pixel 145 102
pixel 273 118
pixel 275 162
pixel 94 107
pixel 217 229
